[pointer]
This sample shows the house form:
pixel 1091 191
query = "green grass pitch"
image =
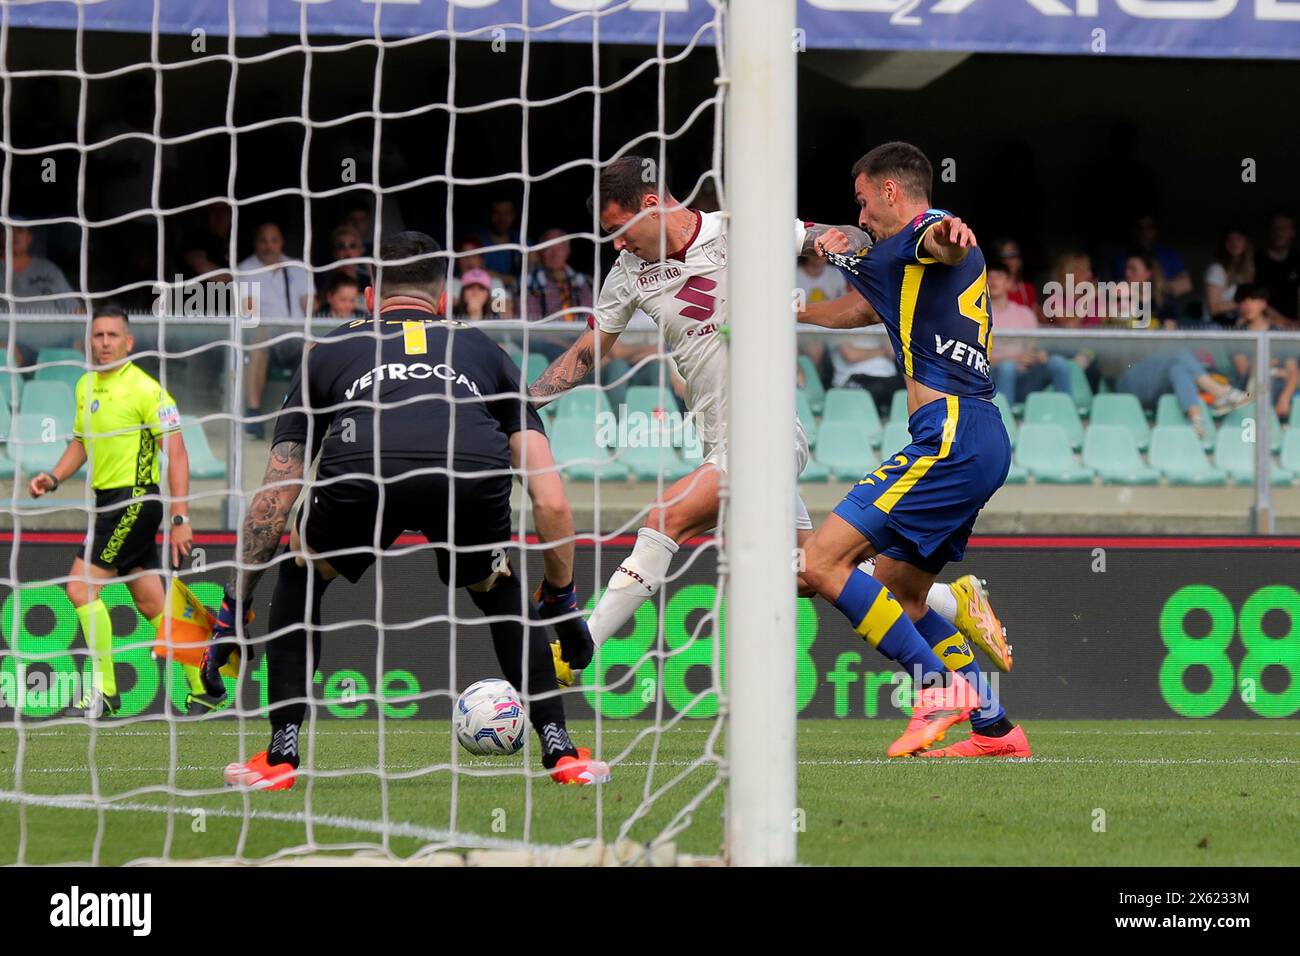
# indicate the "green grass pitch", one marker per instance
pixel 1096 793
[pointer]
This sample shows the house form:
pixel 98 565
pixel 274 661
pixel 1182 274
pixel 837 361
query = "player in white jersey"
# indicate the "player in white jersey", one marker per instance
pixel 672 265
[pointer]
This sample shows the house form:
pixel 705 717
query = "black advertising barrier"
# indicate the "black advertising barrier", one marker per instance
pixel 1102 628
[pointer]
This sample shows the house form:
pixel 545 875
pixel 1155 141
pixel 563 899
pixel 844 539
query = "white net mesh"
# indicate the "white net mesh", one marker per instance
pixel 164 158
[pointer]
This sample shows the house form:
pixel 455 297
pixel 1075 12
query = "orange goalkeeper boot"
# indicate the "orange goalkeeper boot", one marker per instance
pixel 257 774
pixel 937 709
pixel 581 769
pixel 1014 744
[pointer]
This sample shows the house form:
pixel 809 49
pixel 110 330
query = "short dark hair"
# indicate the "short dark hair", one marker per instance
pixel 427 272
pixel 997 265
pixel 901 162
pixel 625 181
pixel 338 280
pixel 1250 291
pixel 110 310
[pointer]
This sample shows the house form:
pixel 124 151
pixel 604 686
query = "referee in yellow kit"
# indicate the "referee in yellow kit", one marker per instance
pixel 125 420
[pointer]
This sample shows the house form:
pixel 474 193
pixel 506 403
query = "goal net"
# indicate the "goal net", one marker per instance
pixel 228 185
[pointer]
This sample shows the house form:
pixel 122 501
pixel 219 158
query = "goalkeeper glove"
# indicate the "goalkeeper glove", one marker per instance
pixel 224 644
pixel 560 607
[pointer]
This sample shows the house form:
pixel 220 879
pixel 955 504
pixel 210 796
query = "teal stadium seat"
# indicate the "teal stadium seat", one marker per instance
pixel 898 406
pixel 1125 411
pixel 1016 475
pixel 841 449
pixel 1008 417
pixel 1178 454
pixel 648 461
pixel 536 366
pixel 28 448
pixel 50 400
pixel 584 403
pixel 573 442
pixel 1291 449
pixel 1237 419
pixel 71 366
pixel 855 407
pixel 894 438
pixel 1081 388
pixel 1053 408
pixel 1044 450
pixel 1112 453
pixel 203 463
pixel 1236 456
pixel 1169 412
pixel 812 384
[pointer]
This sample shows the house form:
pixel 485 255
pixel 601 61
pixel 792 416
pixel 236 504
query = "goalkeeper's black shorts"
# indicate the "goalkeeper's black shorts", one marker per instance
pixel 469 514
pixel 126 529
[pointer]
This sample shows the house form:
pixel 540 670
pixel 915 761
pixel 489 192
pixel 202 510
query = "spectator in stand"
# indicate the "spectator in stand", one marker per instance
pixel 346 243
pixel 1146 241
pixel 1020 290
pixel 1070 298
pixel 866 362
pixel 35 278
pixel 1277 268
pixel 1019 367
pixel 1142 269
pixel 469 259
pixel 281 290
pixel 1284 376
pixel 342 299
pixel 557 291
pixel 473 304
pixel 502 229
pixel 357 216
pixel 1176 370
pixel 818 283
pixel 1233 266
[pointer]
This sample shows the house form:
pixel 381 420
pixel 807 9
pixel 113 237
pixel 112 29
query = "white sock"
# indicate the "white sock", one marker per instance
pixel 637 580
pixel 941 600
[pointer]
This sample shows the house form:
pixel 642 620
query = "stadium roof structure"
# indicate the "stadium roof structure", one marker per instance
pixel 1267 29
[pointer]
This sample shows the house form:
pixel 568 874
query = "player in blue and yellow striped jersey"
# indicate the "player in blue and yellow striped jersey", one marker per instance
pixel 924 279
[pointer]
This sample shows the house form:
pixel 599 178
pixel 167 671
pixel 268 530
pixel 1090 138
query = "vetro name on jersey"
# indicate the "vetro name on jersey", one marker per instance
pixel 404 371
pixel 961 352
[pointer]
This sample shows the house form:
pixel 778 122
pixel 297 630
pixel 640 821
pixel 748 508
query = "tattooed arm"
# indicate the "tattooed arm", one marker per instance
pixel 265 521
pixel 572 367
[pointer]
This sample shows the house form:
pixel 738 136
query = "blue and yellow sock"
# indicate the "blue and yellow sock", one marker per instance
pixel 954 650
pixel 878 617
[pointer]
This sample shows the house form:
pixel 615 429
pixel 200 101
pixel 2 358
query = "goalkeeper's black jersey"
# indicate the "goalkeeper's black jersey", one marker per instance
pixel 435 390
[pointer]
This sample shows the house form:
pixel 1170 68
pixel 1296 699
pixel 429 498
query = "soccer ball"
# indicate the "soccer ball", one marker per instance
pixel 489 719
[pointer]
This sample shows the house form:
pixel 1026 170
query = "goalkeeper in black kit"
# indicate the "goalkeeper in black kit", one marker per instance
pixel 433 411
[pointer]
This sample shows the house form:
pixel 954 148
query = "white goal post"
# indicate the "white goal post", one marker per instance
pixel 760 197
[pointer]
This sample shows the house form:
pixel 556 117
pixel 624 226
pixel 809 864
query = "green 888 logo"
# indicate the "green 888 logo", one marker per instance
pixel 1211 651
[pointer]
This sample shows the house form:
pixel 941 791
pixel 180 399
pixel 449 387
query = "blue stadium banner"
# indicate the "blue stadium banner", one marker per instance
pixel 1267 29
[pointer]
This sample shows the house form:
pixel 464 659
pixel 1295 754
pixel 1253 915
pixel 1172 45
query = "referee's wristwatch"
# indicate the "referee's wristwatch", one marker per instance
pixel 178 520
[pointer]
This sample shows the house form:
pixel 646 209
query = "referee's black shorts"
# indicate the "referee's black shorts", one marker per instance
pixel 126 529
pixel 470 514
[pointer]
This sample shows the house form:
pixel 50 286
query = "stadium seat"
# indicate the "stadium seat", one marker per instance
pixel 803 408
pixel 1112 452
pixel 812 384
pixel 1045 451
pixel 651 400
pixel 1236 456
pixel 27 447
pixel 1291 450
pixel 1053 408
pixel 814 473
pixel 898 406
pixel 1236 420
pixel 894 438
pixel 11 388
pixel 203 463
pixel 1169 412
pixel 515 352
pixel 584 403
pixel 69 373
pixel 1080 389
pixel 647 461
pixel 841 449
pixel 573 443
pixel 1008 417
pixel 1123 410
pixel 1177 453
pixel 1016 475
pixel 6 421
pixel 857 408
pixel 536 366
pixel 53 400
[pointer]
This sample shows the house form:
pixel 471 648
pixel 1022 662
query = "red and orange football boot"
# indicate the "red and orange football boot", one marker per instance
pixel 937 709
pixel 582 769
pixel 1014 744
pixel 257 774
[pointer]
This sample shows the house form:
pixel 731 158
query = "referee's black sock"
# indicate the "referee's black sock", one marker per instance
pixel 547 714
pixel 287 657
